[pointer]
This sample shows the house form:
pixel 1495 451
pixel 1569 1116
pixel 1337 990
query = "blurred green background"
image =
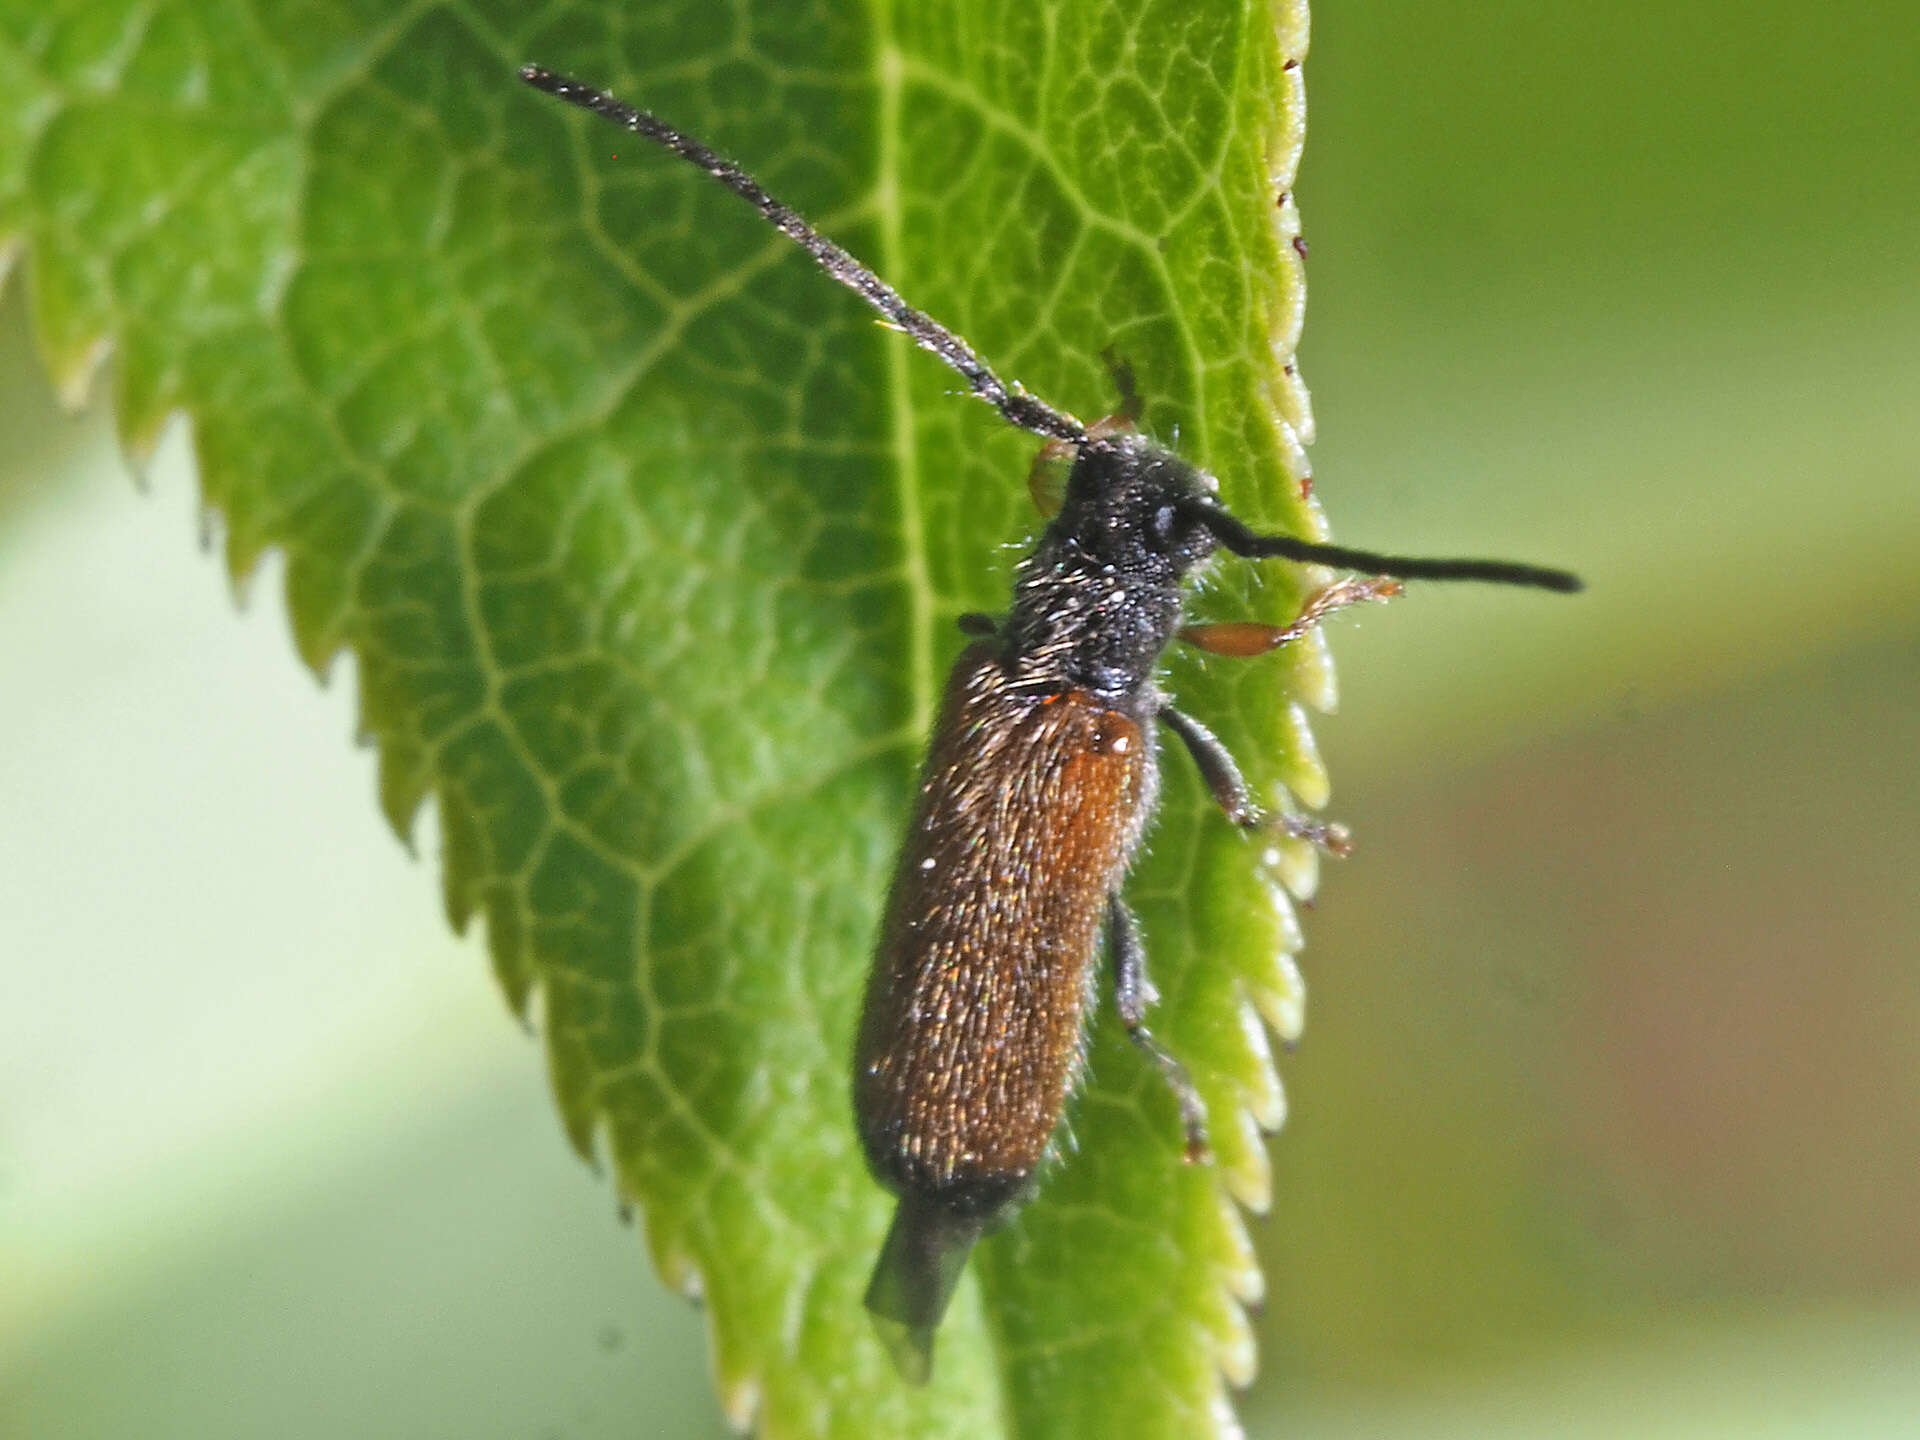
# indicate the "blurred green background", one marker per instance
pixel 1607 1120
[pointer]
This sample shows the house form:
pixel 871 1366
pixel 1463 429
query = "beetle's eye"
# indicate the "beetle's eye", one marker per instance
pixel 1162 526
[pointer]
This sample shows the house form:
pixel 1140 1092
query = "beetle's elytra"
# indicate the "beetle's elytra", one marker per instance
pixel 1040 780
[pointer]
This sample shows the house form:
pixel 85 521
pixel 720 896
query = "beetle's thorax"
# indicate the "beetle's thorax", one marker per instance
pixel 1099 598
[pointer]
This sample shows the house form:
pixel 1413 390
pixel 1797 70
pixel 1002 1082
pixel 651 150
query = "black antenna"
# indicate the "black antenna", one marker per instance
pixel 1015 404
pixel 1237 537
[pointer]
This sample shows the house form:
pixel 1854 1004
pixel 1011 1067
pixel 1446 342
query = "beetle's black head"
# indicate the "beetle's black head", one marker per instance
pixel 1131 503
pixel 1099 598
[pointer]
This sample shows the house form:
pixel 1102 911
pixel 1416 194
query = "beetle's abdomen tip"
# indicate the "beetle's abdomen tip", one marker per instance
pixel 913 1281
pixel 910 1347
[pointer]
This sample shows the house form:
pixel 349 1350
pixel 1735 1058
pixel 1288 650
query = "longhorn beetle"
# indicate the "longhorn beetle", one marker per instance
pixel 1040 780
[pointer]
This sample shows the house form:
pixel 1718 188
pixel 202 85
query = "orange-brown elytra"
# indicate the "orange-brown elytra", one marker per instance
pixel 1040 780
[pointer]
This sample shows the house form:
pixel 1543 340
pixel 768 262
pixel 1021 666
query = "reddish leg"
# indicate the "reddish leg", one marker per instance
pixel 1243 639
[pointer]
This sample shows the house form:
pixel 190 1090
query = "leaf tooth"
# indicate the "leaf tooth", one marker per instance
pixel 1242 1284
pixel 1226 1423
pixel 678 1269
pixel 141 431
pixel 1245 1281
pixel 677 1266
pixel 571 1071
pixel 404 778
pixel 1310 674
pixel 1294 863
pixel 1293 410
pixel 1249 1177
pixel 461 854
pixel 1237 1352
pixel 1302 770
pixel 243 549
pixel 1291 940
pixel 1279 992
pixel 1266 1100
pixel 1294 434
pixel 1257 1104
pixel 507 943
pixel 75 368
pixel 740 1400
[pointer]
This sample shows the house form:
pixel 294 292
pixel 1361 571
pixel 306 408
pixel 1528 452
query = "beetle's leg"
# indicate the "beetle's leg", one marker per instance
pixel 1242 639
pixel 1047 476
pixel 1131 405
pixel 1133 995
pixel 978 624
pixel 1231 794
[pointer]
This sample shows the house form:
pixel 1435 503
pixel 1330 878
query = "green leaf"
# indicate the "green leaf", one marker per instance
pixel 647 544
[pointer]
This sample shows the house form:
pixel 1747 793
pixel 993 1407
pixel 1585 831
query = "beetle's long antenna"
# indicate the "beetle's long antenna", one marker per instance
pixel 1019 408
pixel 1237 537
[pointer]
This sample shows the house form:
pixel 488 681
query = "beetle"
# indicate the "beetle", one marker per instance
pixel 1040 780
